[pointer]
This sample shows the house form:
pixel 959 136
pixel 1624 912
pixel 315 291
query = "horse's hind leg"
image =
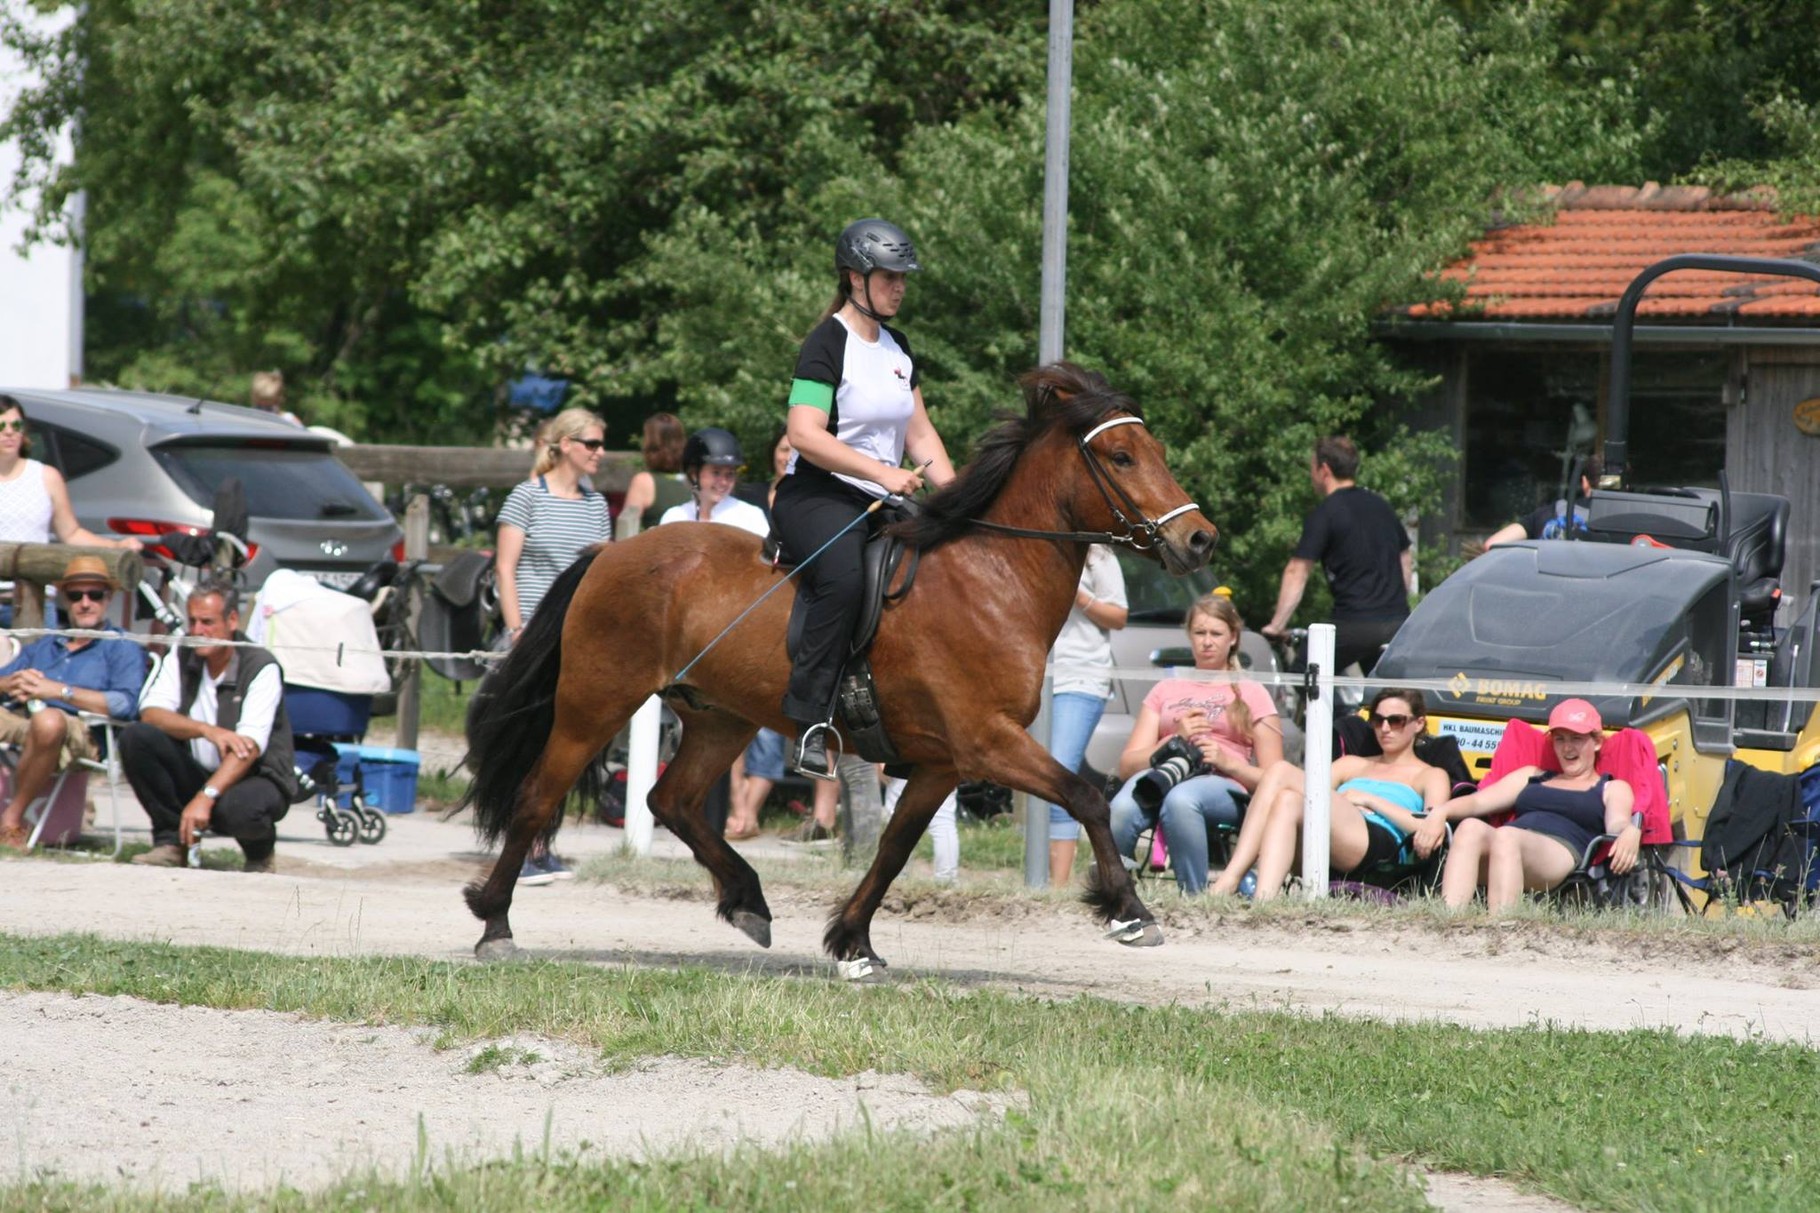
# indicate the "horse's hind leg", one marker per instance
pixel 711 740
pixel 849 935
pixel 574 741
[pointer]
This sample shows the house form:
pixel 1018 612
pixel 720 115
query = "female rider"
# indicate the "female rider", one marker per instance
pixel 1379 803
pixel 856 407
pixel 1234 725
pixel 1557 815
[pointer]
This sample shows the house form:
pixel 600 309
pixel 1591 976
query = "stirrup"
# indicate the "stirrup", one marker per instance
pixel 833 753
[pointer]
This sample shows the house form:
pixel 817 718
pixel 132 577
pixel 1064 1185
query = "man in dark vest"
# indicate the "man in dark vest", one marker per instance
pixel 212 749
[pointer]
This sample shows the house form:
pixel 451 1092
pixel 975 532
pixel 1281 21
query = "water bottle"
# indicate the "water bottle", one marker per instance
pixel 1248 884
pixel 194 858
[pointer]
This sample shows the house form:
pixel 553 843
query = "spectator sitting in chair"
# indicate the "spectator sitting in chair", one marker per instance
pixel 67 674
pixel 1557 815
pixel 212 749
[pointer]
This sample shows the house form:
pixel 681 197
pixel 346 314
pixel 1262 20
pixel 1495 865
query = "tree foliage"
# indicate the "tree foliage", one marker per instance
pixel 405 204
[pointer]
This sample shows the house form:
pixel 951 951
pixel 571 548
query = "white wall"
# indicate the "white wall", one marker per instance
pixel 40 291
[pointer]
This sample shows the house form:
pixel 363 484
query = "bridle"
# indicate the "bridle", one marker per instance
pixel 1140 535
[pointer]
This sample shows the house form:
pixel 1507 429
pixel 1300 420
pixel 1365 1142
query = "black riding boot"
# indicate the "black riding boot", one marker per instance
pixel 812 753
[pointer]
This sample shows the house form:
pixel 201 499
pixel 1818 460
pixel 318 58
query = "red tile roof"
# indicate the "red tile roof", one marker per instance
pixel 1575 266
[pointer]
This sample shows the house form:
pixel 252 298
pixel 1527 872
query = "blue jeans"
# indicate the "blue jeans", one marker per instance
pixel 1191 809
pixel 1072 719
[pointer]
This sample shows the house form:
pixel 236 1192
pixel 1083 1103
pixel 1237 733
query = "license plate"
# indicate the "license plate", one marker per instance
pixel 335 581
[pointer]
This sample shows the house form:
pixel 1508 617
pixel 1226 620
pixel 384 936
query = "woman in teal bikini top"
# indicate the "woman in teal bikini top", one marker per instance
pixel 1378 803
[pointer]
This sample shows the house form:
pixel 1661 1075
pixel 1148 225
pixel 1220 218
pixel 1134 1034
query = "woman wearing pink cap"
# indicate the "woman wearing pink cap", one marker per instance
pixel 1556 815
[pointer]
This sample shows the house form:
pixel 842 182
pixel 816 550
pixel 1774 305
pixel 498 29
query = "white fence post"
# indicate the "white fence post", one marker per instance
pixel 1317 807
pixel 641 774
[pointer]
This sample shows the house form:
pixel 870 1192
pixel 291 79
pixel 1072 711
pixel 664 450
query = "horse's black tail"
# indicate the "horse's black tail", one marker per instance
pixel 513 710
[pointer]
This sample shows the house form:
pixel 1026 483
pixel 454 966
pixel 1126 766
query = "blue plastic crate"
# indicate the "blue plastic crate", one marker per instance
pixel 390 775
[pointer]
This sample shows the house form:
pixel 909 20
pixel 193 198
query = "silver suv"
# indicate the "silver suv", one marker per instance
pixel 144 464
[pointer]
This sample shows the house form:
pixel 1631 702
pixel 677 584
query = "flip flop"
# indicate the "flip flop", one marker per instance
pixel 15 838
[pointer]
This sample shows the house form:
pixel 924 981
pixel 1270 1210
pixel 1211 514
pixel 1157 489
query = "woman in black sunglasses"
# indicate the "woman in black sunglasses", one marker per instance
pixel 1379 801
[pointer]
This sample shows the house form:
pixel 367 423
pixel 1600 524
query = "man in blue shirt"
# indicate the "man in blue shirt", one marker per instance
pixel 55 676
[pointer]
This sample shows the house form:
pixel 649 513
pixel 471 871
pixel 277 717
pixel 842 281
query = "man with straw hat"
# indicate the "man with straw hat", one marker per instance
pixel 66 674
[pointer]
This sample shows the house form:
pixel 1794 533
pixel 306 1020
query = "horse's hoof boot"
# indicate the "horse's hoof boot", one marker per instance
pixel 861 968
pixel 757 929
pixel 1135 933
pixel 493 950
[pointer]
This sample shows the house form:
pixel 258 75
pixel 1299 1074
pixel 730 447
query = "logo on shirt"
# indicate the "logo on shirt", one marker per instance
pixel 899 372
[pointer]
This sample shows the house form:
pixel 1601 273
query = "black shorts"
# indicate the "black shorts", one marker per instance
pixel 1383 847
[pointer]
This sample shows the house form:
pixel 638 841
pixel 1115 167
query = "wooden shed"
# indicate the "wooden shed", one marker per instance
pixel 1726 372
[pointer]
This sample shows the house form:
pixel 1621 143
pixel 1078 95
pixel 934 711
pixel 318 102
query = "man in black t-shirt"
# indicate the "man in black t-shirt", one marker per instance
pixel 1359 540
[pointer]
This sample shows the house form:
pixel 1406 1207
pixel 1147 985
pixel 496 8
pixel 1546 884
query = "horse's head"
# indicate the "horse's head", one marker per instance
pixel 1121 484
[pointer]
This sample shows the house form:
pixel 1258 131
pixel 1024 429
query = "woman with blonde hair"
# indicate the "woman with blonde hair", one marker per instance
pixel 546 523
pixel 661 485
pixel 1232 727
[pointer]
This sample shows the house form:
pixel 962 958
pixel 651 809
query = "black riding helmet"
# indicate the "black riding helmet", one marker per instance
pixel 711 445
pixel 873 244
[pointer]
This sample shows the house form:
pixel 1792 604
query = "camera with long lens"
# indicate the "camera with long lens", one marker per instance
pixel 1173 761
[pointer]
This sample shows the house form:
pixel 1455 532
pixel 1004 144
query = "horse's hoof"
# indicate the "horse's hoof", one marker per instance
pixel 867 969
pixel 757 929
pixel 492 951
pixel 1136 933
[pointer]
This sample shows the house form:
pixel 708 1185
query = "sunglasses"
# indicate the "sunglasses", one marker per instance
pixel 1396 721
pixel 593 444
pixel 15 424
pixel 86 595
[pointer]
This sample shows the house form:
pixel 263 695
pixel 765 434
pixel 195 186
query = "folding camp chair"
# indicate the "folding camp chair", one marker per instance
pixel 1627 754
pixel 56 817
pixel 1760 843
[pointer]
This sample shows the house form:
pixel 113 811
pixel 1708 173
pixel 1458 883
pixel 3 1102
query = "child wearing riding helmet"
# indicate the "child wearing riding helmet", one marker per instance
pixel 856 408
pixel 711 461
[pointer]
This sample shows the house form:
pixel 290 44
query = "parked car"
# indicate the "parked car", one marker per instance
pixel 1154 636
pixel 144 464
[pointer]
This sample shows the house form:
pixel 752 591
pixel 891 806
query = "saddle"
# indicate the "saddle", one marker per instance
pixel 857 705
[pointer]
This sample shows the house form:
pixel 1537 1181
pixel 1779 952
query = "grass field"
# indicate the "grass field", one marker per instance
pixel 1127 1106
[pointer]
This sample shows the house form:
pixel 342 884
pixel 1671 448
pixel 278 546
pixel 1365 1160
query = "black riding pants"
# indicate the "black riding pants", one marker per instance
pixel 808 512
pixel 166 776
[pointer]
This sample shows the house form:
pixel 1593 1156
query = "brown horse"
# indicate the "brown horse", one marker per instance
pixel 958 661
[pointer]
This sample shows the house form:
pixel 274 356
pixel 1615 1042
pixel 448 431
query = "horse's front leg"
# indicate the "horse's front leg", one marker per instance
pixel 1025 765
pixel 849 934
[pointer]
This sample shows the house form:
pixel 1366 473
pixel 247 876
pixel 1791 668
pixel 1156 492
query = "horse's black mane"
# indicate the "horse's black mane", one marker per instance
pixel 1060 395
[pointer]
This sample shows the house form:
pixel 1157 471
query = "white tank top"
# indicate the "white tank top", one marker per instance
pixel 25 508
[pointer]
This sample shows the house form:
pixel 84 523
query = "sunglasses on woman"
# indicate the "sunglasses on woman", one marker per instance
pixel 1394 721
pixel 15 424
pixel 593 444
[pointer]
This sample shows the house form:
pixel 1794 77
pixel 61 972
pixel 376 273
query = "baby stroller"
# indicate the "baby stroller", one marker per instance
pixel 327 645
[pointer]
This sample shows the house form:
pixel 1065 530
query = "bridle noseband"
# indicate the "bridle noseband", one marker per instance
pixel 1140 535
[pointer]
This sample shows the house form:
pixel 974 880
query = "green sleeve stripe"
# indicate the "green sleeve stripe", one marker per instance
pixel 812 392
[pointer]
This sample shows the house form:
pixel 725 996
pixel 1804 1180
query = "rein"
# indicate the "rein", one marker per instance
pixel 1140 535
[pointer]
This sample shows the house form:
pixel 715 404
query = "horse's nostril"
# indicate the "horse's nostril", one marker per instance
pixel 1201 542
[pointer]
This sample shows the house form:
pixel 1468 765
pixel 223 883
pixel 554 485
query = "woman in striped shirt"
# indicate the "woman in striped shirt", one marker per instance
pixel 546 523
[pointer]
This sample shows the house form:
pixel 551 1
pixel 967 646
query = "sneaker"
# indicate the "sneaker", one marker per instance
pixel 534 873
pixel 812 754
pixel 557 869
pixel 165 855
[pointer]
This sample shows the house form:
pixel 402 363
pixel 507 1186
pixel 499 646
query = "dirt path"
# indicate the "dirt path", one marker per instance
pixel 124 1062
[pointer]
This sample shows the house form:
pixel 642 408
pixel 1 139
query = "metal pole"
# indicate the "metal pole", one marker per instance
pixel 641 774
pixel 1036 812
pixel 1317 805
pixel 1055 180
pixel 410 689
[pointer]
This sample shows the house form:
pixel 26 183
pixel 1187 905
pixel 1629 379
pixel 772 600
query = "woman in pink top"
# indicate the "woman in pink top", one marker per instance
pixel 1231 726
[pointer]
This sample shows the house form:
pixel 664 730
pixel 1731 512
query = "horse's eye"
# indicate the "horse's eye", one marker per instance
pixel 1122 459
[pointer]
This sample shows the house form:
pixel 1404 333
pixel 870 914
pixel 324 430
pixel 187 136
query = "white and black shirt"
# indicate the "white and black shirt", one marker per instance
pixel 867 388
pixel 556 529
